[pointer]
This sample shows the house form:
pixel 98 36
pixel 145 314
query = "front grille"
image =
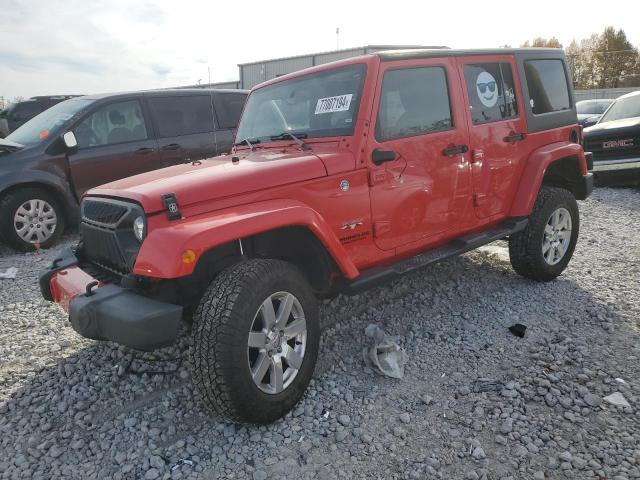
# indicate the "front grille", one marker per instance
pixel 107 234
pixel 101 211
pixel 101 246
pixel 595 145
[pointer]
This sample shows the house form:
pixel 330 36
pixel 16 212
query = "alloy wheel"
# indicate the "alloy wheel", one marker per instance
pixel 277 342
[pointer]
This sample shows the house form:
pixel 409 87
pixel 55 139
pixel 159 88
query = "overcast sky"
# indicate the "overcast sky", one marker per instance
pixel 91 46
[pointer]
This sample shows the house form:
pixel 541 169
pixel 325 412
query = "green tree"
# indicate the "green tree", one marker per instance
pixel 616 59
pixel 540 42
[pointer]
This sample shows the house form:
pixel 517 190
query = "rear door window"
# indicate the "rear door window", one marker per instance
pixel 181 115
pixel 229 108
pixel 548 88
pixel 491 92
pixel 413 101
pixel 114 123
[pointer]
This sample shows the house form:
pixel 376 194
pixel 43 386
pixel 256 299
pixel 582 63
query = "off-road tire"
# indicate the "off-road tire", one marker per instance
pixel 525 247
pixel 10 203
pixel 218 353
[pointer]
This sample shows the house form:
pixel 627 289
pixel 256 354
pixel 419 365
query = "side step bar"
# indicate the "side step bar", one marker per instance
pixel 375 276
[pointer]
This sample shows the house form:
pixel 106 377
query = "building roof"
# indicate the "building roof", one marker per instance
pixel 365 48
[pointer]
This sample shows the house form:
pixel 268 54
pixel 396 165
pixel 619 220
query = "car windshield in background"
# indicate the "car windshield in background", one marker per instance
pixel 322 104
pixel 46 124
pixel 592 107
pixel 623 108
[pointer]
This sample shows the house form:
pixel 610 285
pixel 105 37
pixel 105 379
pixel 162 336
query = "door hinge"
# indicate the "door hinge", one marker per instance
pixel 377 176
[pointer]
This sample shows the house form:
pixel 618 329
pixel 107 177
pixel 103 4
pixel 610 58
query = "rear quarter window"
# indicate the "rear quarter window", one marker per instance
pixel 229 108
pixel 547 84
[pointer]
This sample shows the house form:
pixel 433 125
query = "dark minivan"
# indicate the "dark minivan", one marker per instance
pixel 47 164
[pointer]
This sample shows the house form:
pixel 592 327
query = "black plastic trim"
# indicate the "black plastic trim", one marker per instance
pixel 378 275
pixel 125 317
pixel 582 188
pixel 66 259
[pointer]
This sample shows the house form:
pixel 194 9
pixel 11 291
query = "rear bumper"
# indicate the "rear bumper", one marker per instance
pixel 109 312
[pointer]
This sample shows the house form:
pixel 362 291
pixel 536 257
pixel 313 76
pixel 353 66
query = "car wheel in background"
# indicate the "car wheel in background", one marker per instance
pixel 30 218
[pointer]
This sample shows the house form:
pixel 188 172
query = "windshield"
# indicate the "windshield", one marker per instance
pixel 623 108
pixel 47 123
pixel 594 108
pixel 322 104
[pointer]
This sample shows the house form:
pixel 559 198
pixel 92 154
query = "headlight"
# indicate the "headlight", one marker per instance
pixel 138 228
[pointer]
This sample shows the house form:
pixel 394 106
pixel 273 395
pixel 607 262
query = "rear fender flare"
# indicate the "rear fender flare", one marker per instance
pixel 161 253
pixel 533 173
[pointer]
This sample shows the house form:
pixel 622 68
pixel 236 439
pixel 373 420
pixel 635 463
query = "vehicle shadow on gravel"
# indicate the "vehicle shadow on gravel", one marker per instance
pixel 104 411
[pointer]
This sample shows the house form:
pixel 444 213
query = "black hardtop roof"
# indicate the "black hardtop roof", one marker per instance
pixel 168 92
pixel 389 55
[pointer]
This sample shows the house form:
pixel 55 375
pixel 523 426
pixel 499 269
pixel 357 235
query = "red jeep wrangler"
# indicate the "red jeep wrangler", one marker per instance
pixel 342 176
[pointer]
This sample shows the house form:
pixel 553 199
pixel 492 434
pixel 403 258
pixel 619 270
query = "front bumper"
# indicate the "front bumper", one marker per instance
pixel 109 312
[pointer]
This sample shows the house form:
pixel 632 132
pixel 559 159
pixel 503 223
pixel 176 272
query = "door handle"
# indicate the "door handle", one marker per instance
pixel 172 146
pixel 514 137
pixel 144 150
pixel 454 150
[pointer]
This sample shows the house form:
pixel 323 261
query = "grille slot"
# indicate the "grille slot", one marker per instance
pixel 101 246
pixel 106 213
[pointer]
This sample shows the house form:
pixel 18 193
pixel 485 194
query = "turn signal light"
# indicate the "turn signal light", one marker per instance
pixel 188 256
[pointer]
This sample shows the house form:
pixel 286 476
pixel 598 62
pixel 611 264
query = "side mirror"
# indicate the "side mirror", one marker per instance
pixel 590 121
pixel 380 156
pixel 69 140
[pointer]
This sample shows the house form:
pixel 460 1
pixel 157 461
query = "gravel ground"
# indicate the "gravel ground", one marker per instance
pixel 476 401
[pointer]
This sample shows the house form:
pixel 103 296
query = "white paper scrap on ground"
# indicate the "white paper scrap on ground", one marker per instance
pixel 10 273
pixel 385 355
pixel 617 398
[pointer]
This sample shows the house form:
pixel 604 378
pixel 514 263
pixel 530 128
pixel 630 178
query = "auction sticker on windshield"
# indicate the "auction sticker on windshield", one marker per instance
pixel 339 103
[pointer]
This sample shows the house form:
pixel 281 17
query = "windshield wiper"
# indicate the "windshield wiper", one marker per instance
pixel 250 143
pixel 297 137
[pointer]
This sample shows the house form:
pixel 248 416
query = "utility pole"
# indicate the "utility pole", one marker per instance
pixel 209 72
pixel 337 38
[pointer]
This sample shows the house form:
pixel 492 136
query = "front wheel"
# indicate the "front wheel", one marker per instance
pixel 543 249
pixel 255 341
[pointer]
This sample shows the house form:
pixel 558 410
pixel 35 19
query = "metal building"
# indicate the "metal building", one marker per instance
pixel 254 73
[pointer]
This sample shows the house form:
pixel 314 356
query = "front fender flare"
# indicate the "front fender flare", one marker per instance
pixel 534 171
pixel 161 253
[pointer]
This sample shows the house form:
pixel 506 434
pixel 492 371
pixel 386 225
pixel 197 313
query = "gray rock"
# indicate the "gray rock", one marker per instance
pixel 344 420
pixel 592 400
pixel 478 453
pixel 404 417
pixel 151 474
pixel 260 475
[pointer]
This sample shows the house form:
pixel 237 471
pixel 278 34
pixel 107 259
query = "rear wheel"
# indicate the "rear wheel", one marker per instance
pixel 31 218
pixel 544 248
pixel 255 341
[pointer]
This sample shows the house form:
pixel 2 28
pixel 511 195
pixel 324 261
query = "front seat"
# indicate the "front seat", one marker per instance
pixel 119 133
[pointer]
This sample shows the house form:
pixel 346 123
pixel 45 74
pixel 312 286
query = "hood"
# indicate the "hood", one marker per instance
pixel 623 126
pixel 7 146
pixel 216 178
